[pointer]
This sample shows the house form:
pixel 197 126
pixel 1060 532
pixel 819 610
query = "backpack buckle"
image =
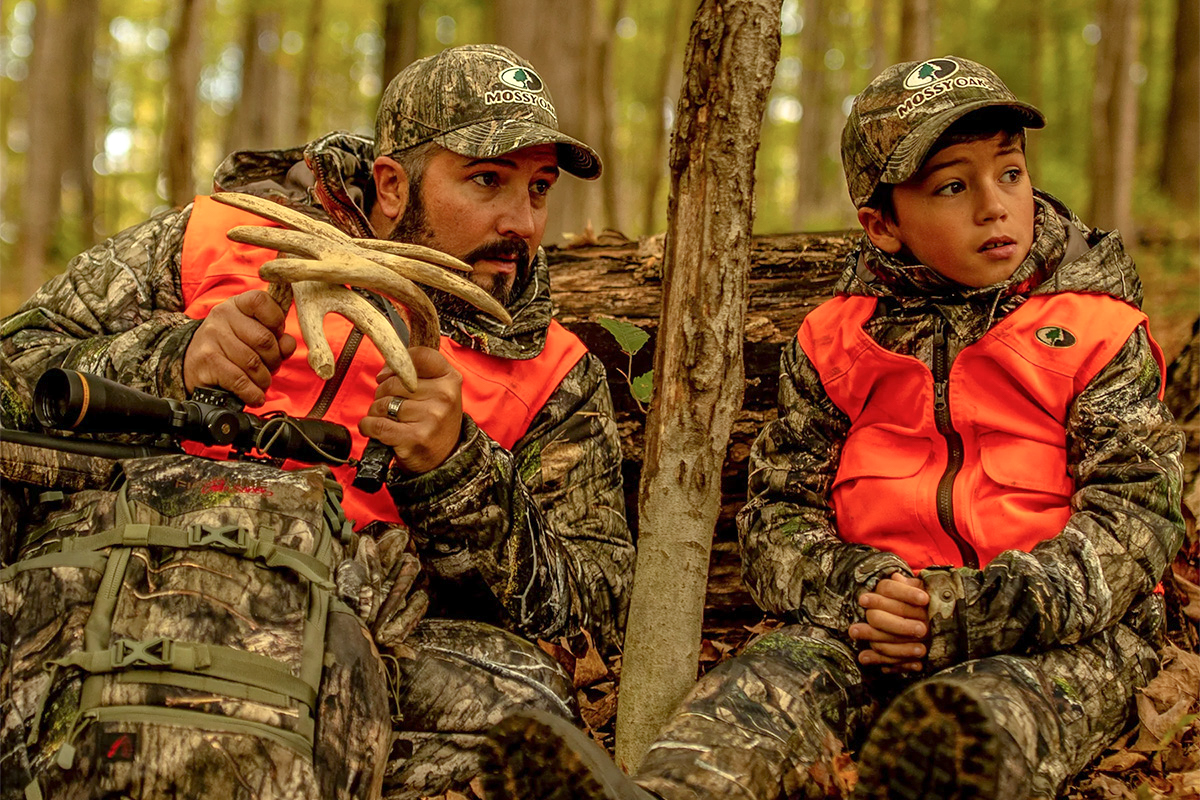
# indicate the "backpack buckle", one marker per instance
pixel 155 652
pixel 221 537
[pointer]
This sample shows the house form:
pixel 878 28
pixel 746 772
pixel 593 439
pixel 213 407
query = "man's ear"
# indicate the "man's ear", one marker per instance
pixel 880 230
pixel 391 192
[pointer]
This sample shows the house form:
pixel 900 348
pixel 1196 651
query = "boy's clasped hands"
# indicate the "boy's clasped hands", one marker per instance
pixel 897 624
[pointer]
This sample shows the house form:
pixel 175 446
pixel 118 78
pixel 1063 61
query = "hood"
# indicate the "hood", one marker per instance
pixel 330 179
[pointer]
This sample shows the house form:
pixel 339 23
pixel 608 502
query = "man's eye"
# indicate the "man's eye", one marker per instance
pixel 486 179
pixel 540 187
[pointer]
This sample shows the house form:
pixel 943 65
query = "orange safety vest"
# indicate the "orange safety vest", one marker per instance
pixel 1009 397
pixel 502 395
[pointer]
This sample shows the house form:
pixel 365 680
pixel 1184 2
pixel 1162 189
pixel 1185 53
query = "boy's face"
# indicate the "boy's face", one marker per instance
pixel 968 213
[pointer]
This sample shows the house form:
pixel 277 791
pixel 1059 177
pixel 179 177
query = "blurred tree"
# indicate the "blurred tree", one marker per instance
pixel 401 36
pixel 183 77
pixel 916 29
pixel 61 68
pixel 1114 116
pixel 308 70
pixel 811 141
pixel 256 121
pixel 1179 170
pixel 606 27
pixel 667 75
pixel 562 50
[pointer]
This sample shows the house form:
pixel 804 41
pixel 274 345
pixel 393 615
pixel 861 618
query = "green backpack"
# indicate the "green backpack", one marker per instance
pixel 181 636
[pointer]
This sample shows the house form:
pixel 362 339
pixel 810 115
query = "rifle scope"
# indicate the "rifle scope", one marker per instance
pixel 78 401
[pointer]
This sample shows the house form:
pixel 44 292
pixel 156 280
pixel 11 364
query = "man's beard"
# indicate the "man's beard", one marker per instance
pixel 413 228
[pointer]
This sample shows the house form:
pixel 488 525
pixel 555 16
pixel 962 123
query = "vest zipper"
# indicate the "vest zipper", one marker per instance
pixel 954 445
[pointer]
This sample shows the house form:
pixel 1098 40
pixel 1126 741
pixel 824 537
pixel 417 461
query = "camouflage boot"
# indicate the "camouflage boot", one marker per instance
pixel 539 756
pixel 939 740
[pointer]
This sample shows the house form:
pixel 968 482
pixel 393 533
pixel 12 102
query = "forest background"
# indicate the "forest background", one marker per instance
pixel 111 110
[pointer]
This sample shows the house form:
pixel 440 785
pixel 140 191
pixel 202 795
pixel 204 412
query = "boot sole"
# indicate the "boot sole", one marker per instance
pixel 933 743
pixel 538 755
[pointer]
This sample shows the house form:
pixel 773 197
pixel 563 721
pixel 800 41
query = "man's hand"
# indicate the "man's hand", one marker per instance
pixel 897 623
pixel 238 346
pixel 424 430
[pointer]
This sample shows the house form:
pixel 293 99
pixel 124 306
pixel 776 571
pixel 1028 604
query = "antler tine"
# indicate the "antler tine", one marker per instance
pixel 315 299
pixel 277 212
pixel 423 316
pixel 438 278
pixel 415 251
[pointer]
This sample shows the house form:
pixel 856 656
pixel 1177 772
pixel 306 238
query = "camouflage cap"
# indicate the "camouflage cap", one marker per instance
pixel 898 117
pixel 479 100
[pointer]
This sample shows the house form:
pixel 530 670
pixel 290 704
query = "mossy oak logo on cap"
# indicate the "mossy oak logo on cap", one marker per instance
pixel 930 72
pixel 521 78
pixel 1054 336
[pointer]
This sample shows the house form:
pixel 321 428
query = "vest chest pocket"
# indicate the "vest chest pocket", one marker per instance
pixel 1022 463
pixel 877 490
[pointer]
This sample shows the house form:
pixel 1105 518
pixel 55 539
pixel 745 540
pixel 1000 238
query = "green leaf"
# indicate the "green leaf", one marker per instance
pixel 630 337
pixel 642 386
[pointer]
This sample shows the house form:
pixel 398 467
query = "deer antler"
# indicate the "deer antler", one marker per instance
pixel 332 260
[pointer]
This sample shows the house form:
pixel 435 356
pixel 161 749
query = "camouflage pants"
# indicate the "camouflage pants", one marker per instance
pixel 463 678
pixel 764 724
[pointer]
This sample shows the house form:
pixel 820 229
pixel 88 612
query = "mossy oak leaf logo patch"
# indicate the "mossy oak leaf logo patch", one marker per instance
pixel 1054 336
pixel 930 72
pixel 521 78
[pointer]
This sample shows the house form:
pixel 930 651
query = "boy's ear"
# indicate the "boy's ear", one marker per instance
pixel 880 230
pixel 391 188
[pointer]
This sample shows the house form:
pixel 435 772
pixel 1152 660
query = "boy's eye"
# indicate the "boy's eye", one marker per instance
pixel 488 179
pixel 951 188
pixel 1012 175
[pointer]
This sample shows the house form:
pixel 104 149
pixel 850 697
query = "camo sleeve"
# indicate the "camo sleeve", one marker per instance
pixel 792 560
pixel 537 535
pixel 1124 450
pixel 116 311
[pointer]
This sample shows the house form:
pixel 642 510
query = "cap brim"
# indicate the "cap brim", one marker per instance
pixel 910 152
pixel 496 137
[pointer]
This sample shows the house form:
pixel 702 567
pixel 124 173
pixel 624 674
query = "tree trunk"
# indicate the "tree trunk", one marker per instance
pixel 562 55
pixel 698 359
pixel 401 35
pixel 606 27
pixel 78 180
pixel 255 122
pixel 1179 172
pixel 49 71
pixel 916 30
pixel 810 139
pixel 880 57
pixel 178 147
pixel 667 69
pixel 308 70
pixel 1115 117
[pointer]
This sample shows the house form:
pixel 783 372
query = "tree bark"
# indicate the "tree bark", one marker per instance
pixel 698 361
pixel 178 144
pixel 1115 117
pixel 1179 170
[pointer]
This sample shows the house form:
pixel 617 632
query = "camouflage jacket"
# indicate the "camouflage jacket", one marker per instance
pixel 1123 450
pixel 533 539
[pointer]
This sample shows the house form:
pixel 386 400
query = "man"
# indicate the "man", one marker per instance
pixel 507 459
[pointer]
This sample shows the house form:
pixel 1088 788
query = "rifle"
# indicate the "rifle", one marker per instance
pixel 70 400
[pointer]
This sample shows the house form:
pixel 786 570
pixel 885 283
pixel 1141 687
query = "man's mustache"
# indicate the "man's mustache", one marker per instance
pixel 501 248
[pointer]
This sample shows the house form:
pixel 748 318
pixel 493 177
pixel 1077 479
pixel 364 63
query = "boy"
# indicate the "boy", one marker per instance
pixel 965 504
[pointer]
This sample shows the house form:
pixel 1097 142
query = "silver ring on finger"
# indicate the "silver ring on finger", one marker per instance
pixel 393 407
